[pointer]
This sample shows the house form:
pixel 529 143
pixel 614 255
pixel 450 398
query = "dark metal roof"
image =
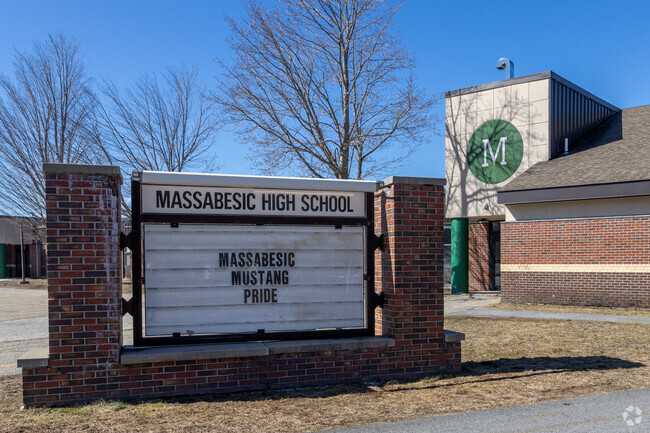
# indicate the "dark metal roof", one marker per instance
pixel 615 152
pixel 572 115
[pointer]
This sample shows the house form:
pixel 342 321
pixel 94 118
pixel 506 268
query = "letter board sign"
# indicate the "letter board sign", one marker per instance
pixel 274 258
pixel 186 200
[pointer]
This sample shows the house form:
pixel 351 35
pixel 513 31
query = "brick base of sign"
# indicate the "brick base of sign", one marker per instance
pixel 56 386
pixel 86 360
pixel 597 262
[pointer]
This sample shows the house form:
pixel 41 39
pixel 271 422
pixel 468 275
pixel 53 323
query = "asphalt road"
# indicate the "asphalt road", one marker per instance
pixel 23 325
pixel 623 411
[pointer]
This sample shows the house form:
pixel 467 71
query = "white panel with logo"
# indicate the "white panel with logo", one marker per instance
pixel 492 136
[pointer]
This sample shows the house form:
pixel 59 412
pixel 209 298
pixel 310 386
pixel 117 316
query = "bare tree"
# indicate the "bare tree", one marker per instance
pixel 324 88
pixel 162 124
pixel 45 113
pixel 167 127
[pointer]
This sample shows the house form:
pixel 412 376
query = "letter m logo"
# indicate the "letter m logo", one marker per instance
pixel 494 155
pixel 483 146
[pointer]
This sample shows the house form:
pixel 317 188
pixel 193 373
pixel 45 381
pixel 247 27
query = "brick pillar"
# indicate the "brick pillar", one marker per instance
pixel 479 255
pixel 84 285
pixel 410 212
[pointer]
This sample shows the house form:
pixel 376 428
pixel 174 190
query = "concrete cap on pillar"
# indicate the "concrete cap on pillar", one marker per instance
pixel 405 180
pixel 106 170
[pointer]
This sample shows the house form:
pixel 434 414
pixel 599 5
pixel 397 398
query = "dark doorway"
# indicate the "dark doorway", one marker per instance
pixel 17 265
pixel 495 255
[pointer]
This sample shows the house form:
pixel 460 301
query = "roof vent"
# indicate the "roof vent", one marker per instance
pixel 505 63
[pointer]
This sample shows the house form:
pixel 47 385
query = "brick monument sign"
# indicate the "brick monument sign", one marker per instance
pixel 86 359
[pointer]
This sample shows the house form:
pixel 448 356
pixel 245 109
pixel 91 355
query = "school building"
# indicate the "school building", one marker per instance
pixel 33 233
pixel 548 193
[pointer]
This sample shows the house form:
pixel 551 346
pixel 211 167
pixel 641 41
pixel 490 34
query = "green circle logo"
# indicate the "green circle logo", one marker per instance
pixel 495 151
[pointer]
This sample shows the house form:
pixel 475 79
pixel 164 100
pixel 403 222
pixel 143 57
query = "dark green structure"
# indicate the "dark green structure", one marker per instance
pixel 459 255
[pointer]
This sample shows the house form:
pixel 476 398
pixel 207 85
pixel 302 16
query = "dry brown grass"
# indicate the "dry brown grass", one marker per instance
pixel 506 362
pixel 570 309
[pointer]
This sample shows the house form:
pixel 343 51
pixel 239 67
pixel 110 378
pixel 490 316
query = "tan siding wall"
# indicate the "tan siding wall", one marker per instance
pixel 526 106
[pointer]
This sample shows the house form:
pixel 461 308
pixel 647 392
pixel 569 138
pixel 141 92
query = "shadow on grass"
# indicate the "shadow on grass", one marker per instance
pixel 544 363
pixel 529 367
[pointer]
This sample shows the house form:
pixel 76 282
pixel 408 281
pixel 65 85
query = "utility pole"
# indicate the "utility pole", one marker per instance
pixel 22 257
pixel 38 256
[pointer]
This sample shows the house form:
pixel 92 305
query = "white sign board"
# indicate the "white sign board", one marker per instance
pixel 213 279
pixel 201 200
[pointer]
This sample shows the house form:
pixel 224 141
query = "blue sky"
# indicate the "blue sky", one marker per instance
pixel 601 46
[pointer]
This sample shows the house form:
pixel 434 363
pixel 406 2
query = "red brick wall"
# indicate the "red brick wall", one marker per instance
pixel 478 255
pixel 614 243
pixel 85 320
pixel 410 273
pixel 83 289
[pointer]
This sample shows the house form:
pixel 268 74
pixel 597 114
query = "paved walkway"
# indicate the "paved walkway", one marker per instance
pixel 465 305
pixel 462 302
pixel 623 411
pixel 557 316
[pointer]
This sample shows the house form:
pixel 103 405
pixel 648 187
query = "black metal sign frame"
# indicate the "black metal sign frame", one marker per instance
pixel 371 242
